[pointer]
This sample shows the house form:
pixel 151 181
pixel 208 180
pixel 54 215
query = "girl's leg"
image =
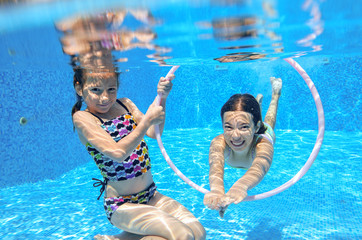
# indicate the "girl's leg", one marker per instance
pixel 259 99
pixel 271 114
pixel 127 236
pixel 177 210
pixel 157 220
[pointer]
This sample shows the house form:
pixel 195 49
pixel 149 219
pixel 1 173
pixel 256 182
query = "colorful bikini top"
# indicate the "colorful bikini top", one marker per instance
pixel 134 165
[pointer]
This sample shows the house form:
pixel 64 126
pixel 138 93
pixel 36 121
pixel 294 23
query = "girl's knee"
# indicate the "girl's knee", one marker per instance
pixel 199 231
pixel 185 233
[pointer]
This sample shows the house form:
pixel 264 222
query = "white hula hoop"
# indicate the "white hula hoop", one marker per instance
pixel 302 171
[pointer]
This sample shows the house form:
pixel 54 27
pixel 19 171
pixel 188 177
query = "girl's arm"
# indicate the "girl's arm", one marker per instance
pixel 138 115
pixel 261 164
pixel 89 130
pixel 271 114
pixel 216 173
pixel 163 88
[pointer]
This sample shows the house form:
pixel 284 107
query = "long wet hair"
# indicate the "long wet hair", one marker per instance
pixel 80 77
pixel 246 103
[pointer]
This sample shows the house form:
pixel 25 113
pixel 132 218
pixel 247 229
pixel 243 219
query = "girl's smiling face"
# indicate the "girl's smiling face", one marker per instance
pixel 239 130
pixel 99 93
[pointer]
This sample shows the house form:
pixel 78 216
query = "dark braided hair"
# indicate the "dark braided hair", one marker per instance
pixel 247 103
pixel 78 79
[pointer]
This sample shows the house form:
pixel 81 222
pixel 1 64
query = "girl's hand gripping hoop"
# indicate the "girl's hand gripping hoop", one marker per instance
pixel 172 71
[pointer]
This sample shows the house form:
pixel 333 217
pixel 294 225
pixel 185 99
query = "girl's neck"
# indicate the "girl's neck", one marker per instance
pixel 242 159
pixel 115 111
pixel 105 116
pixel 240 154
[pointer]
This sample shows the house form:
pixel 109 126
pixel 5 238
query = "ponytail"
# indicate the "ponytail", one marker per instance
pixel 78 105
pixel 77 81
pixel 262 128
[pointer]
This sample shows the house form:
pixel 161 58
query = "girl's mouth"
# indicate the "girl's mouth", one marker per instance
pixel 238 144
pixel 103 105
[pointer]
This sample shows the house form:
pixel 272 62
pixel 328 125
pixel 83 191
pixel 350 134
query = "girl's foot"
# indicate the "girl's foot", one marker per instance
pixel 259 98
pixel 276 85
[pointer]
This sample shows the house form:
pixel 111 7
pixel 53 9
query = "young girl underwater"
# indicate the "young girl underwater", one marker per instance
pixel 112 131
pixel 247 142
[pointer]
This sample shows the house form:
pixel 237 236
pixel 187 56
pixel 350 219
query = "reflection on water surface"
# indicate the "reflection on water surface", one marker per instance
pixel 181 32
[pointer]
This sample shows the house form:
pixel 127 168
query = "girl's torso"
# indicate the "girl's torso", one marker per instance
pixel 242 160
pixel 245 159
pixel 131 176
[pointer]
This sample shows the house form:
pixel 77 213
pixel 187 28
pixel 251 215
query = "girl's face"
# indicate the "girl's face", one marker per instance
pixel 239 130
pixel 99 93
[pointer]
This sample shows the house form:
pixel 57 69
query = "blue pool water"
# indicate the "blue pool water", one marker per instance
pixel 45 175
pixel 325 204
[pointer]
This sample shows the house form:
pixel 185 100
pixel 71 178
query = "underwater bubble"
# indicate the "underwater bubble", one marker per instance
pixel 11 52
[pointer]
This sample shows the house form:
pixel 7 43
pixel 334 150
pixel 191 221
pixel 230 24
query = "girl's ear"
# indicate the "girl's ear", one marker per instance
pixel 78 89
pixel 257 127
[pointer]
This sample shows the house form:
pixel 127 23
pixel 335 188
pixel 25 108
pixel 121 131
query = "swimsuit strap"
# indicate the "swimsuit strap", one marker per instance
pixel 119 102
pixel 100 119
pixel 253 154
pixel 100 183
pixel 124 106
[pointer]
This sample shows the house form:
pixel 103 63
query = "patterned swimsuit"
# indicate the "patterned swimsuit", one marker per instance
pixel 133 166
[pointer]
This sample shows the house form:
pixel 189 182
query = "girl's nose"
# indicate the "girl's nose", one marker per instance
pixel 236 135
pixel 104 97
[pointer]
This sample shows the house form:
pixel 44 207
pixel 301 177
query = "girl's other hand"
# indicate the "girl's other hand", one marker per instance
pixel 155 114
pixel 164 86
pixel 234 196
pixel 213 200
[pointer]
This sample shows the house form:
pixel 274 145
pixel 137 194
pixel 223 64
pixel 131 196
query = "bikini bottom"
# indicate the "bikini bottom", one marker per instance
pixel 112 203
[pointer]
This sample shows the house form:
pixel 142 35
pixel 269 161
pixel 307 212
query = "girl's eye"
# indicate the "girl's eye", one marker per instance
pixel 244 127
pixel 95 90
pixel 112 89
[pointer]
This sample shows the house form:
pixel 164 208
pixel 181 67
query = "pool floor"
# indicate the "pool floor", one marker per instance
pixel 324 204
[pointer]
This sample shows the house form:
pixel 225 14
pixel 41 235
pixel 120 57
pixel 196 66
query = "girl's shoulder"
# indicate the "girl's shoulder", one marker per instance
pixel 125 100
pixel 81 118
pixel 268 136
pixel 219 137
pixel 264 144
pixel 81 114
pixel 128 103
pixel 218 142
